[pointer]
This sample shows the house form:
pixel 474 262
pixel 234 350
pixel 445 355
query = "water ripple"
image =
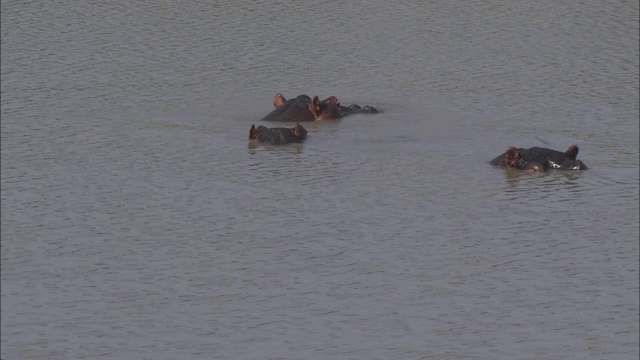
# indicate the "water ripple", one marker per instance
pixel 137 221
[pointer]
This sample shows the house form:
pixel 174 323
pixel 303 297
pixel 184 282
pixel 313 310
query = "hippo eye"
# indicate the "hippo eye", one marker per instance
pixel 554 165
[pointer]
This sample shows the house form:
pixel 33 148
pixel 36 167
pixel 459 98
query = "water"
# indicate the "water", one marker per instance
pixel 137 222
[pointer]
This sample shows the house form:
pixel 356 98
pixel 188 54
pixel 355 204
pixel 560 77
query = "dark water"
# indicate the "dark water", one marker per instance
pixel 138 223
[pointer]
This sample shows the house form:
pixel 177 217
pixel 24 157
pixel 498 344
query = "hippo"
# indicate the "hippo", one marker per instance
pixel 304 108
pixel 278 136
pixel 540 159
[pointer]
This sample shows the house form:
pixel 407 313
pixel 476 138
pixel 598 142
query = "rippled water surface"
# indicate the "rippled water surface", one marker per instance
pixel 139 223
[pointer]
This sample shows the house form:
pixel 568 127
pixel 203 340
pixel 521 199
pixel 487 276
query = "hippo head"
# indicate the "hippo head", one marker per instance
pixel 540 159
pixel 326 109
pixel 279 135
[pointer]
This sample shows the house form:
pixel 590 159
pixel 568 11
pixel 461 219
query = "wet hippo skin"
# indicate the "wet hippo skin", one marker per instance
pixel 539 159
pixel 278 136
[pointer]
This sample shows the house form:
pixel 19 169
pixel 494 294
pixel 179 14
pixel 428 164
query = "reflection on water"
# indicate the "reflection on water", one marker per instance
pixel 545 181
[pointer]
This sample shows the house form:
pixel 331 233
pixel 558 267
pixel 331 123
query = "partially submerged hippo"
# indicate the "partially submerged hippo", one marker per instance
pixel 278 136
pixel 540 159
pixel 303 108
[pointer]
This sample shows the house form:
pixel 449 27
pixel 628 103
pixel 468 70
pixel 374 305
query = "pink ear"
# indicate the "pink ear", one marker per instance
pixel 315 107
pixel 278 100
pixel 511 156
pixel 572 152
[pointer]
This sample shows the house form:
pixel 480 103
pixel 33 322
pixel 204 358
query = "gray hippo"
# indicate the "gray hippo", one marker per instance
pixel 304 108
pixel 539 159
pixel 278 136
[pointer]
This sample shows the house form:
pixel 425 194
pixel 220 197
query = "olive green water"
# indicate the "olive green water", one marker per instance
pixel 137 223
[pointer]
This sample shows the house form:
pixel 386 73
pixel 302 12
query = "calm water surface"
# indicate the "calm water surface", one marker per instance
pixel 138 223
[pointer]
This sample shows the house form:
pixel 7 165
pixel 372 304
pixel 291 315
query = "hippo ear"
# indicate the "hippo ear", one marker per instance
pixel 572 152
pixel 300 132
pixel 512 156
pixel 316 104
pixel 253 133
pixel 512 151
pixel 278 100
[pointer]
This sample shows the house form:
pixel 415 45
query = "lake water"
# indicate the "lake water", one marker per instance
pixel 139 223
